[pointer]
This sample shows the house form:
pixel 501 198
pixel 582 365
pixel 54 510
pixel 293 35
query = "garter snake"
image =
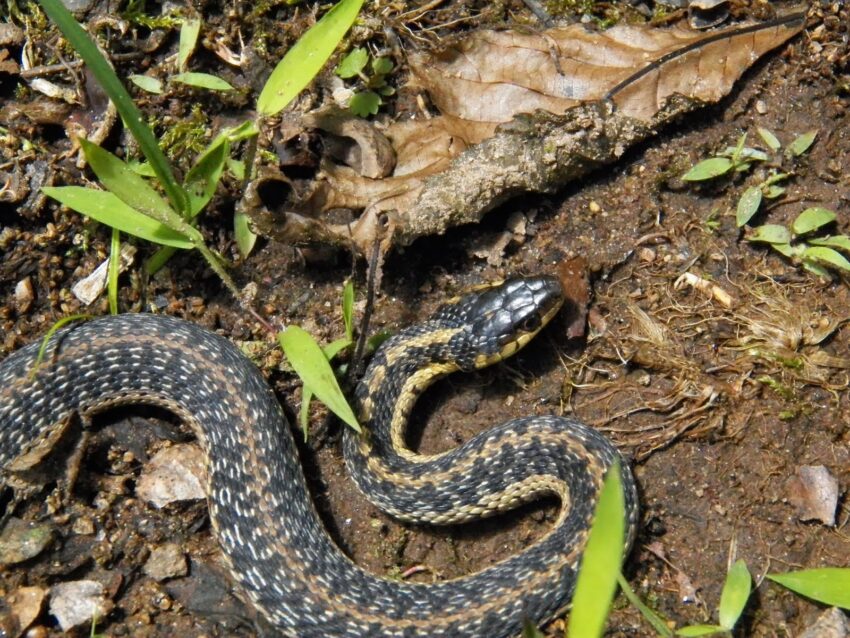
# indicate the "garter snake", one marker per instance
pixel 272 538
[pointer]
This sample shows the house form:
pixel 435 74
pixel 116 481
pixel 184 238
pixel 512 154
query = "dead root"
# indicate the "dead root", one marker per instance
pixel 670 362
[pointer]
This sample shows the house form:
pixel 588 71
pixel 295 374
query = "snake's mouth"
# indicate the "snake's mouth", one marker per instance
pixel 544 317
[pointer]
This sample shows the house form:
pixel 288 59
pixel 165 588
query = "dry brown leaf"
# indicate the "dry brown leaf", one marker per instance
pixel 492 76
pixel 524 112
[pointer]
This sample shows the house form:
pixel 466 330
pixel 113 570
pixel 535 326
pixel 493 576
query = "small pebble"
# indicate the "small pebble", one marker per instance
pixel 24 295
pixel 83 526
pixel 26 604
pixel 166 561
pixel 164 602
pixel 647 255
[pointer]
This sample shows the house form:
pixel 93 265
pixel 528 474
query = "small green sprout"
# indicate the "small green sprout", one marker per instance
pixel 815 254
pixel 741 158
pixel 658 623
pixel 189 31
pixel 801 144
pixel 147 83
pixel 311 363
pixel 202 81
pixel 737 159
pixel 367 101
pixel 770 140
pixel 750 201
pixel 733 599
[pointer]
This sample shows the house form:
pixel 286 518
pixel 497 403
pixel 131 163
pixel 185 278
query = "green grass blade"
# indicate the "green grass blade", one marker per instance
pixel 348 309
pixel 657 622
pixel 802 143
pixel 693 631
pixel 770 234
pixel 217 263
pixel 112 86
pixel 131 188
pixel 812 219
pixel 841 242
pixel 748 205
pixel 736 592
pixel 245 237
pixel 311 365
pixel 529 630
pixel 826 256
pixel 306 58
pixel 158 260
pixel 106 208
pixel 603 557
pixel 189 31
pixel 304 410
pixel 203 81
pixel 335 347
pixel 708 169
pixel 52 331
pixel 330 351
pixel 828 585
pixel 113 271
pixel 202 179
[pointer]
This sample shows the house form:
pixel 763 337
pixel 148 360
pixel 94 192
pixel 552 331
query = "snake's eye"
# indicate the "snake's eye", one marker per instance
pixel 531 323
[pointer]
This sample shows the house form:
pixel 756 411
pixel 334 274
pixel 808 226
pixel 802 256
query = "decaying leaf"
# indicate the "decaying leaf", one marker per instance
pixel 573 274
pixel 521 112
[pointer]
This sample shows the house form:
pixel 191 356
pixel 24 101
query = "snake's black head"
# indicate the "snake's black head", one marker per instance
pixel 497 320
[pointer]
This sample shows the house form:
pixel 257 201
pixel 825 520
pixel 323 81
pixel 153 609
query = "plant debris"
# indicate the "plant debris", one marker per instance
pixel 518 113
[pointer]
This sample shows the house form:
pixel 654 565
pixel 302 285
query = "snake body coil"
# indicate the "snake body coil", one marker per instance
pixel 272 538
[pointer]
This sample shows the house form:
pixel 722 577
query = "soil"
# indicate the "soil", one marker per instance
pixel 717 405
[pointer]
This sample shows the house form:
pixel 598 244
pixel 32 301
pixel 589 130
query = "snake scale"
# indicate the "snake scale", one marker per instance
pixel 272 538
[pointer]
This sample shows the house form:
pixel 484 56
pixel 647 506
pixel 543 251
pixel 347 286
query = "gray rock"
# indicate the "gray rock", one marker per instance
pixel 175 473
pixel 20 540
pixel 814 492
pixel 830 624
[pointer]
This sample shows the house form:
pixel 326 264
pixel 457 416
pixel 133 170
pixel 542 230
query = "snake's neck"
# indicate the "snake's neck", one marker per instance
pixel 405 366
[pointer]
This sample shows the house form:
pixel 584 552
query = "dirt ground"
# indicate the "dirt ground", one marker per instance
pixel 717 405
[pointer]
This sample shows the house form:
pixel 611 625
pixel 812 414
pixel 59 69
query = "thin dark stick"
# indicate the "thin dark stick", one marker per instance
pixel 356 367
